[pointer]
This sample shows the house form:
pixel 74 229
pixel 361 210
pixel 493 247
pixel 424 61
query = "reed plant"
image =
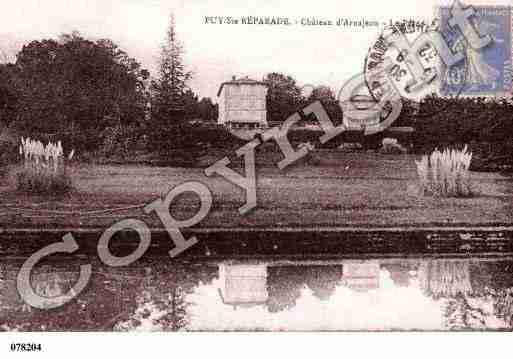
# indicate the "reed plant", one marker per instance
pixel 445 173
pixel 44 168
pixel 445 278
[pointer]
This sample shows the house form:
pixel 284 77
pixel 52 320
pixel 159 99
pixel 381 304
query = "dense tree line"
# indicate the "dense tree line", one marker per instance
pixel 77 90
pixel 93 96
pixel 285 97
pixel 72 88
pixel 483 123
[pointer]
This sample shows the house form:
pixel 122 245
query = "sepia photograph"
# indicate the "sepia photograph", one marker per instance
pixel 195 166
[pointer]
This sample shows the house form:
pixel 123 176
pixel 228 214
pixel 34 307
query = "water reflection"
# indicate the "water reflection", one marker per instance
pixel 385 294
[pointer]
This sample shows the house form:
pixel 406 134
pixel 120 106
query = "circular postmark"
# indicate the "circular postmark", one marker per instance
pixel 411 64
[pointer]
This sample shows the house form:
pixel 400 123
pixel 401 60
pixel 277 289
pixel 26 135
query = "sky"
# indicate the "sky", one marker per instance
pixel 313 55
pixel 388 307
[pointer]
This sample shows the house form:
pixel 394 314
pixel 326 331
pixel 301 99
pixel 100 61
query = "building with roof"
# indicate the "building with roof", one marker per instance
pixel 243 285
pixel 361 276
pixel 242 104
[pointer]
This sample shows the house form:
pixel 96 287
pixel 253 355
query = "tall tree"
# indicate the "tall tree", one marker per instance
pixel 8 94
pixel 190 105
pixel 283 96
pixel 170 88
pixel 73 88
pixel 325 95
pixel 208 111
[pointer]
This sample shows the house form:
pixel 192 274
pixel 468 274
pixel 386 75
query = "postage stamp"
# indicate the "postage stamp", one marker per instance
pixel 463 50
pixel 486 70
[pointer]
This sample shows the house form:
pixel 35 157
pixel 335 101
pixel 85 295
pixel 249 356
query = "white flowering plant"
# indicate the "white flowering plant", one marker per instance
pixel 445 173
pixel 44 169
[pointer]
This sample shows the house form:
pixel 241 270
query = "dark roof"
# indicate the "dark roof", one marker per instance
pixel 242 81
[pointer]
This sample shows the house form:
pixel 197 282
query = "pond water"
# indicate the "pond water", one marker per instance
pixel 279 294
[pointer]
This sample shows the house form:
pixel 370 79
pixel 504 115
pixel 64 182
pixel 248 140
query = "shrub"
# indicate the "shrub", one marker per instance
pixel 445 173
pixel 121 142
pixel 8 147
pixel 312 158
pixel 492 156
pixel 44 168
pixel 350 147
pixel 392 147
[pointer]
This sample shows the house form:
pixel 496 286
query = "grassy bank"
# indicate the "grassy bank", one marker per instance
pixel 361 189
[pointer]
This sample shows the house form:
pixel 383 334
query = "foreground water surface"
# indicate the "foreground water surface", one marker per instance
pixel 279 294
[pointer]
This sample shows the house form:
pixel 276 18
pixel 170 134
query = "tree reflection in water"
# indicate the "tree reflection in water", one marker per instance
pixel 285 283
pixel 146 298
pixel 323 280
pixel 477 294
pixel 452 294
pixel 441 278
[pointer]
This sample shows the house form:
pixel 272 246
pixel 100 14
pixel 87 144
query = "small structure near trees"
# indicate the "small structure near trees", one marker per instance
pixel 243 285
pixel 242 104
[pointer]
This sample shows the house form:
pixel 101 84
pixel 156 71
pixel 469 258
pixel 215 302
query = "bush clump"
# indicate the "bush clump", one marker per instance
pixel 44 168
pixel 445 174
pixel 392 147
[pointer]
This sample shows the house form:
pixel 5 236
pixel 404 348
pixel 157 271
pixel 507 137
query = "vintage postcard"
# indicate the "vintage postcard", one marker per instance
pixel 171 165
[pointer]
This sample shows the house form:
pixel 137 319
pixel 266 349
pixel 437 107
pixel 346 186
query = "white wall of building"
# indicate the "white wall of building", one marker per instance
pixel 243 103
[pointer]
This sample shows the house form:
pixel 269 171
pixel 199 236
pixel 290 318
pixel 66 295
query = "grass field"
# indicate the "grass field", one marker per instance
pixel 360 189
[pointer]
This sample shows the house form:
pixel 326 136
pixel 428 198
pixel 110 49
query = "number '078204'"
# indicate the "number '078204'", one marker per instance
pixel 26 347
